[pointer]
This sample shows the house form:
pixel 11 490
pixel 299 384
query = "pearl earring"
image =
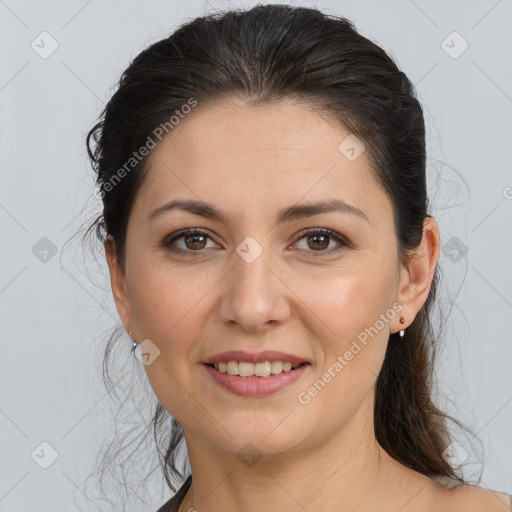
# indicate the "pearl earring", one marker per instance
pixel 402 331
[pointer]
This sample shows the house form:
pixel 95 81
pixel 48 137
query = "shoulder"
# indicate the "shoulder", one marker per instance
pixel 469 498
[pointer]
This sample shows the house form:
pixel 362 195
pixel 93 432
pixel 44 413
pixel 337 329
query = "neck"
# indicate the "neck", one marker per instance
pixel 348 471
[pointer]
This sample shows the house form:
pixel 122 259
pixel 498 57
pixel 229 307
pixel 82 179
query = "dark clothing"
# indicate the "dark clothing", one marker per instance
pixel 174 503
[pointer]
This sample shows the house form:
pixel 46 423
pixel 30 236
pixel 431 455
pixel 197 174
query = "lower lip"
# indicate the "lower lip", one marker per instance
pixel 256 386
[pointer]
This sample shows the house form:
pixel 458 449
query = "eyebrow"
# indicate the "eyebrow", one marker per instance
pixel 288 214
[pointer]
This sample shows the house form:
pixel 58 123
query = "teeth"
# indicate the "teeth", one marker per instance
pixel 245 369
pixel 277 366
pixel 232 368
pixel 262 369
pixel 287 367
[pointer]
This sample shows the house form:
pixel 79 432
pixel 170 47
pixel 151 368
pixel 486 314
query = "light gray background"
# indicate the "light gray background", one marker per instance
pixel 54 317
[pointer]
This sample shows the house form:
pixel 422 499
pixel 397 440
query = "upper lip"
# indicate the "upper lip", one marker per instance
pixel 255 357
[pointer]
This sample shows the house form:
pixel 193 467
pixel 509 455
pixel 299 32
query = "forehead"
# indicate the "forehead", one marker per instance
pixel 259 157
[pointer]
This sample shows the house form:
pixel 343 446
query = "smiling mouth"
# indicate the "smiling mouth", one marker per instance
pixel 262 369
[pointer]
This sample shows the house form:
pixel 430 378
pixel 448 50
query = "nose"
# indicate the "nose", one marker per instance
pixel 253 295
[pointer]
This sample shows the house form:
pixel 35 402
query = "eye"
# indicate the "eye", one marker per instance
pixel 319 239
pixel 194 240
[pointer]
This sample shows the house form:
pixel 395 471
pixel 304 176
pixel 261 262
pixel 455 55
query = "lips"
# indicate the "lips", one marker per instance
pixel 255 386
pixel 255 357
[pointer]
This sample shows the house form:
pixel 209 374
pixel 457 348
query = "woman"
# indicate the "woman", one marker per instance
pixel 271 255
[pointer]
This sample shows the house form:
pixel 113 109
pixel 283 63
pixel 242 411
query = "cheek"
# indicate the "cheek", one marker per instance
pixel 169 308
pixel 344 382
pixel 352 321
pixel 348 300
pixel 166 299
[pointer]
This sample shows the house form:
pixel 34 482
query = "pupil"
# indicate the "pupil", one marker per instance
pixel 316 237
pixel 194 237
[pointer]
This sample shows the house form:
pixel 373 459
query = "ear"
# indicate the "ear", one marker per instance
pixel 118 283
pixel 416 278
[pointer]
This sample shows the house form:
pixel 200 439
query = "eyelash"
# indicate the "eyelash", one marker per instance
pixel 171 239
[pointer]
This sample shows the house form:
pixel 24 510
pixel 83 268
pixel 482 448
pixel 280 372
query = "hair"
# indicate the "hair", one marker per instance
pixel 265 55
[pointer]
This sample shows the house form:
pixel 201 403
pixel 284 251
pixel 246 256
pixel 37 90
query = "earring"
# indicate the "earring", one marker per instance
pixel 402 331
pixel 134 346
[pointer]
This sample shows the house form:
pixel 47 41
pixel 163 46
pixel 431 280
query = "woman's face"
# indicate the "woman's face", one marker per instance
pixel 260 279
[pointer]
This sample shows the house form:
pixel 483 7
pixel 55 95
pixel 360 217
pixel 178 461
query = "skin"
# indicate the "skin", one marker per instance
pixel 251 162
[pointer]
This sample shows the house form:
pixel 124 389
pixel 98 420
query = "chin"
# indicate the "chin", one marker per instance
pixel 272 438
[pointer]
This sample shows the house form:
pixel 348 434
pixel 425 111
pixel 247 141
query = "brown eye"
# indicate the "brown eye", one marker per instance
pixel 321 241
pixel 195 242
pixel 191 240
pixel 318 241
